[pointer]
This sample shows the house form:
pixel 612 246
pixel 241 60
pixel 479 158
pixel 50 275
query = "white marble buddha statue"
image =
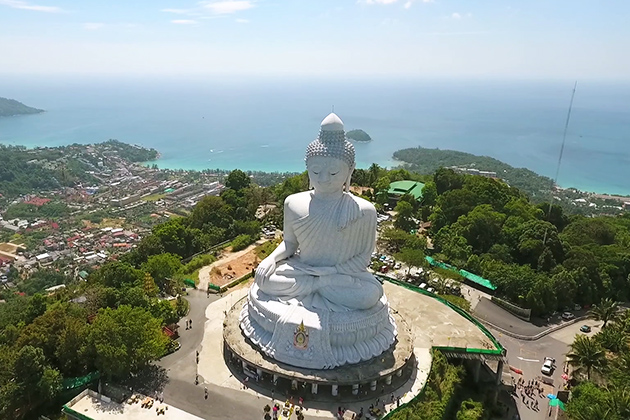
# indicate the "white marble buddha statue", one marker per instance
pixel 314 303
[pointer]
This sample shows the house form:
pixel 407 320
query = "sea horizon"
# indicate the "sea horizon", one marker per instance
pixel 266 125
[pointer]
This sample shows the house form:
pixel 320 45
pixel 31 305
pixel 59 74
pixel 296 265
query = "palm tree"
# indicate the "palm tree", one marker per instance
pixel 441 283
pixel 586 354
pixel 606 311
pixel 620 400
pixel 613 339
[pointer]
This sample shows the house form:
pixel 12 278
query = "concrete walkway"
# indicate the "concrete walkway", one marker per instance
pixel 214 371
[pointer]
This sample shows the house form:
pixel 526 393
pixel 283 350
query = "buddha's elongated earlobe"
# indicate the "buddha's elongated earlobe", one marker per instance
pixel 346 186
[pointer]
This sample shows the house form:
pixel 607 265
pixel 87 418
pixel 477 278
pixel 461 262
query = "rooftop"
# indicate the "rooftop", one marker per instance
pixel 406 187
pixel 89 405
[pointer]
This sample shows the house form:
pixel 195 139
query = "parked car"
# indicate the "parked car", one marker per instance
pixel 548 366
pixel 423 285
pixel 431 290
pixel 585 328
pixel 577 307
pixel 567 316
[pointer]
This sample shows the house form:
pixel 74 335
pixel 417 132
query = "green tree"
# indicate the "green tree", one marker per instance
pixel 453 246
pixel 404 217
pixel 117 275
pixel 162 268
pixel 589 401
pixel 447 180
pixel 381 187
pixel 412 257
pixel 606 311
pixel 481 227
pixel 37 382
pixel 429 194
pixel 211 210
pixel 613 339
pixel 124 340
pixel 586 354
pixel 237 180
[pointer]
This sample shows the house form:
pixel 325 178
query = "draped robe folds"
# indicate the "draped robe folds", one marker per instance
pixel 335 238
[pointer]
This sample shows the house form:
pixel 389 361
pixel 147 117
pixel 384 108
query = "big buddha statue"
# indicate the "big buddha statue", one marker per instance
pixel 314 304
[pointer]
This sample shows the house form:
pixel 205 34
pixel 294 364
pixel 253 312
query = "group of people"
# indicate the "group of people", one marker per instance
pixel 529 391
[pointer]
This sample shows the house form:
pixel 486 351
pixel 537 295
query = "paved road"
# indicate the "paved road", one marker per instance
pixel 529 356
pixel 498 316
pixel 181 391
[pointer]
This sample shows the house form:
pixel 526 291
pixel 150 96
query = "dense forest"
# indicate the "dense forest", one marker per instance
pixel 601 384
pixel 10 107
pixel 130 152
pixel 115 327
pixel 538 257
pixel 427 161
pixel 23 171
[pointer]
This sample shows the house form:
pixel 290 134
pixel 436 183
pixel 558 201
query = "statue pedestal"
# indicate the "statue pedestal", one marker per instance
pixel 395 361
pixel 313 338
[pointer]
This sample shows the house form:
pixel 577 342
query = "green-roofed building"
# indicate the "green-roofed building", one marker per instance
pixel 399 188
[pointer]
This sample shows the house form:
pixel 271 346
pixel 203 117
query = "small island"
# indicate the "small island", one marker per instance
pixel 11 107
pixel 358 135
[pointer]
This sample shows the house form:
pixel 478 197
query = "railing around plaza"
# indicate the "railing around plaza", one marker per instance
pixel 499 351
pixel 499 348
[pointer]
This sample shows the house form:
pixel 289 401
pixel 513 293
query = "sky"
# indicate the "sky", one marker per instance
pixel 459 39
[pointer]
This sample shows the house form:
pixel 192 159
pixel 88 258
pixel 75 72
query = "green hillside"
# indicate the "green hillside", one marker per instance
pixel 10 107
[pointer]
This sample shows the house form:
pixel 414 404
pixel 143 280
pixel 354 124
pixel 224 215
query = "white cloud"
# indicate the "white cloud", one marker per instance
pixel 184 21
pixel 17 4
pixel 177 11
pixel 205 9
pixel 242 20
pixel 92 26
pixel 406 5
pixel 380 1
pixel 227 7
pixel 456 16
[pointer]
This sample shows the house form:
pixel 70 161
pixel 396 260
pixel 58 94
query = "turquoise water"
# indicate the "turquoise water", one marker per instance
pixel 266 125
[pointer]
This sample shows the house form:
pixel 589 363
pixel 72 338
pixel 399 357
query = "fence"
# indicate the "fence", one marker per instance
pixel 522 313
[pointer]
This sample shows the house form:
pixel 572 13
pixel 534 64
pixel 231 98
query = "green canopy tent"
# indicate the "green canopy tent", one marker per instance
pixel 556 402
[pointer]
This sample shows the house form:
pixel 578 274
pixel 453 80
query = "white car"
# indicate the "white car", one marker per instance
pixel 548 366
pixel 423 285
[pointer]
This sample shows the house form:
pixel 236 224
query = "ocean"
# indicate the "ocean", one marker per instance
pixel 266 124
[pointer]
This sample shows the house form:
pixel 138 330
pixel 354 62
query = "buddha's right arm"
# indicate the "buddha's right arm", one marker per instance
pixel 283 251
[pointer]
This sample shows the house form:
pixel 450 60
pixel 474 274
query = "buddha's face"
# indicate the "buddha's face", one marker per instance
pixel 327 174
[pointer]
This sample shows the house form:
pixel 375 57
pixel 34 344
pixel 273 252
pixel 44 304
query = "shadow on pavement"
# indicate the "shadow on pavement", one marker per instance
pixel 153 378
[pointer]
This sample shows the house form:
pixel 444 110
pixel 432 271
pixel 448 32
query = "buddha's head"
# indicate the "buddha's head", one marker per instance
pixel 330 157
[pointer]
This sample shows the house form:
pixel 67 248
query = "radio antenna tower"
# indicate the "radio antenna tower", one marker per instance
pixel 564 138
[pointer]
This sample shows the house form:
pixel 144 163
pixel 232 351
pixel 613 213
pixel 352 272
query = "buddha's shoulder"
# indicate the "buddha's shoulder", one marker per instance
pixel 364 205
pixel 298 198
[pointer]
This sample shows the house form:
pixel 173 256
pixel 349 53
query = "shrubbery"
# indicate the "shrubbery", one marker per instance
pixel 438 399
pixel 197 262
pixel 242 242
